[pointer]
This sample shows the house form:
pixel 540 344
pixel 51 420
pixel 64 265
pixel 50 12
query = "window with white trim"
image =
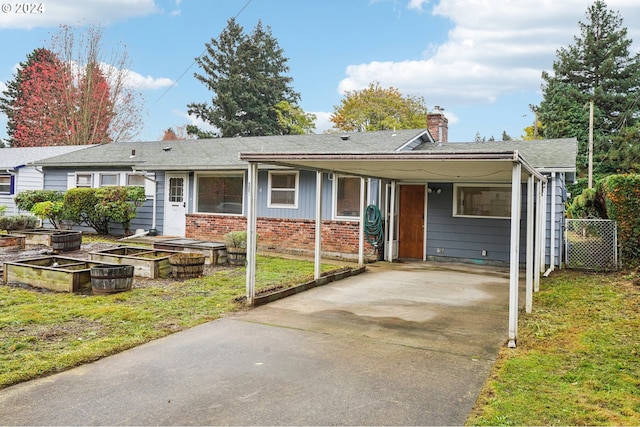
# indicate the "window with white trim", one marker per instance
pixel 283 189
pixel 346 197
pixel 108 179
pixel 84 180
pixel 220 194
pixel 135 180
pixel 484 201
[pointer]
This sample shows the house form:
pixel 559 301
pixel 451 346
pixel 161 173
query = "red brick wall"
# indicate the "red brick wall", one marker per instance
pixel 280 234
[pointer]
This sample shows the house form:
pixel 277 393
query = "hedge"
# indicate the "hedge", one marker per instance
pixel 621 195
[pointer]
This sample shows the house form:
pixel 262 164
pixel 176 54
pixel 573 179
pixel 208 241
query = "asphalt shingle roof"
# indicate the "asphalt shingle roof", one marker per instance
pixel 11 158
pixel 543 153
pixel 222 153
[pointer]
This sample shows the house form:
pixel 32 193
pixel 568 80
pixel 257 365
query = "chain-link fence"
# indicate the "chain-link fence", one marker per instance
pixel 591 244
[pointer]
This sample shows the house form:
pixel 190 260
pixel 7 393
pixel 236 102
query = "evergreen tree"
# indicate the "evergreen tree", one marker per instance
pixel 598 67
pixel 246 74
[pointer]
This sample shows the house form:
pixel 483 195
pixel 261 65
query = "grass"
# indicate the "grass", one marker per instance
pixel 577 361
pixel 44 332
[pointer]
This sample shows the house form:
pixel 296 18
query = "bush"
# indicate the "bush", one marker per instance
pixel 621 195
pixel 584 205
pixel 53 211
pixel 26 200
pixel 18 222
pixel 98 207
pixel 120 204
pixel 80 206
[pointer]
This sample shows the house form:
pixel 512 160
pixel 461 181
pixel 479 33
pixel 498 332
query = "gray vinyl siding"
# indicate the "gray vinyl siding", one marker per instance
pixel 461 237
pixel 306 198
pixel 558 220
pixel 465 238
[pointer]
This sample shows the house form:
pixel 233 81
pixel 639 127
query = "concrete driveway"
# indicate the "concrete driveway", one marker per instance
pixel 402 344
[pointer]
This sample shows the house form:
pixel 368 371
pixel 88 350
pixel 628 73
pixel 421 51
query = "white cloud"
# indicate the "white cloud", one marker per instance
pixel 139 81
pixel 322 121
pixel 74 12
pixel 493 49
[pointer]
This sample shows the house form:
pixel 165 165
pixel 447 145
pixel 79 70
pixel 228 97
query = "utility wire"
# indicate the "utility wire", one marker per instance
pixel 195 60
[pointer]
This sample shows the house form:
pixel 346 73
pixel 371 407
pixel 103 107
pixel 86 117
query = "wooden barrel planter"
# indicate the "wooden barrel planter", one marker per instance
pixel 187 265
pixel 236 256
pixel 66 241
pixel 109 279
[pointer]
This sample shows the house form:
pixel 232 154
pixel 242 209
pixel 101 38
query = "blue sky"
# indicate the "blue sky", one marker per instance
pixel 480 60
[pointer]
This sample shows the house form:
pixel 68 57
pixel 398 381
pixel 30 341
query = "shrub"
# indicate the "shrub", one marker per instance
pixel 584 205
pixel 80 205
pixel 26 200
pixel 621 194
pixel 120 204
pixel 236 239
pixel 53 211
pixel 18 222
pixel 98 207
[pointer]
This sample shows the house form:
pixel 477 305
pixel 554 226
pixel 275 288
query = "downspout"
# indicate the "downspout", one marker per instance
pixel 155 192
pixel 552 250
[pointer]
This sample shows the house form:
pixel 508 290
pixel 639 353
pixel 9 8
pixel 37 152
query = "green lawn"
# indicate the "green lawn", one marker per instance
pixel 44 332
pixel 577 361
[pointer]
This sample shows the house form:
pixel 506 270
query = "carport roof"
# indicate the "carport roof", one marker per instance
pixel 407 166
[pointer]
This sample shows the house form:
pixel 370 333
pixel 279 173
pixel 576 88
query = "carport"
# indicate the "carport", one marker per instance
pixel 503 167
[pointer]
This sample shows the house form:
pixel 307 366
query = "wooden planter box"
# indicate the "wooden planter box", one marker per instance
pixel 11 243
pixel 55 273
pixel 215 253
pixel 150 263
pixel 58 240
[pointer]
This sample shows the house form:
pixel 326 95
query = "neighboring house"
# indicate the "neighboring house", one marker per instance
pixel 198 189
pixel 17 172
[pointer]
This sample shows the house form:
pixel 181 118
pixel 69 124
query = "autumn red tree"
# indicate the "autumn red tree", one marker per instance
pixel 68 95
pixel 95 109
pixel 34 102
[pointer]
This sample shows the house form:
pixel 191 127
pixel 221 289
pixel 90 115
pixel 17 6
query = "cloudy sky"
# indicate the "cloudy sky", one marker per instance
pixel 480 60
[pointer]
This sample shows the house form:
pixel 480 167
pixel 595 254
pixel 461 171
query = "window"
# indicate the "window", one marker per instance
pixel 176 190
pixel 135 180
pixel 6 184
pixel 83 180
pixel 283 189
pixel 347 196
pixel 107 179
pixel 482 201
pixel 221 194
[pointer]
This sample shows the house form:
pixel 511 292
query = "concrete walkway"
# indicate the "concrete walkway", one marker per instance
pixel 402 344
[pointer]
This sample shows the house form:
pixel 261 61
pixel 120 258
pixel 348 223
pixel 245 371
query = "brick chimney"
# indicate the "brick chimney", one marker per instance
pixel 438 124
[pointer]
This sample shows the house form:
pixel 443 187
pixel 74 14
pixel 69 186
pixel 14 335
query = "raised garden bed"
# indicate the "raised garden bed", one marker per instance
pixel 58 240
pixel 150 263
pixel 215 253
pixel 55 273
pixel 11 243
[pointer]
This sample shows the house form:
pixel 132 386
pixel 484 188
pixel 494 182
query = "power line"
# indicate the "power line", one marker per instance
pixel 195 60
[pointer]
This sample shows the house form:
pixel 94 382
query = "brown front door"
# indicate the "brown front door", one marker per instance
pixel 411 221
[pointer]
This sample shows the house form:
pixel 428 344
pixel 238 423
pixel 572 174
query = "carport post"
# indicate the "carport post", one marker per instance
pixel 318 246
pixel 516 189
pixel 392 222
pixel 539 237
pixel 251 231
pixel 530 245
pixel 361 228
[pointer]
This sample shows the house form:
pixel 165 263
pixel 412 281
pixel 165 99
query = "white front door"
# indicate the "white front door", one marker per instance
pixel 175 204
